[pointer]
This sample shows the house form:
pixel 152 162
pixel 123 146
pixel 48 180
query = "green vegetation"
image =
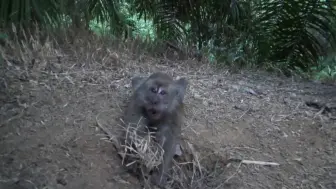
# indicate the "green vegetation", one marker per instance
pixel 326 69
pixel 292 36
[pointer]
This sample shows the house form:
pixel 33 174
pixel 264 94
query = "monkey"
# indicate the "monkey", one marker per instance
pixel 157 102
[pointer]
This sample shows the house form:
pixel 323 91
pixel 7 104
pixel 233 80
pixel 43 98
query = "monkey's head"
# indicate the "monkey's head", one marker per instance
pixel 158 95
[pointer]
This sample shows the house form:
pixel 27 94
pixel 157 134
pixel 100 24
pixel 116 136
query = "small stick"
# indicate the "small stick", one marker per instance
pixel 253 162
pixel 108 133
pixel 259 162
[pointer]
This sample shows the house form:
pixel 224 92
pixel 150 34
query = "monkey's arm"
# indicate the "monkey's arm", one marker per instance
pixel 135 122
pixel 168 141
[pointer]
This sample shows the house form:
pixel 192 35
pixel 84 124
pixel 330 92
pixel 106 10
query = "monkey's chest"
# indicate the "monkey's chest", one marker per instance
pixel 152 129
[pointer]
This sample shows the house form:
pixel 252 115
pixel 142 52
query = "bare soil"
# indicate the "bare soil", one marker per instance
pixel 49 136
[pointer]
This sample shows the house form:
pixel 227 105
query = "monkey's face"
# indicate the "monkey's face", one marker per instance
pixel 158 95
pixel 156 101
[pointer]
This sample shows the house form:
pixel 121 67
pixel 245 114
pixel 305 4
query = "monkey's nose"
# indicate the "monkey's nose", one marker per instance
pixel 155 102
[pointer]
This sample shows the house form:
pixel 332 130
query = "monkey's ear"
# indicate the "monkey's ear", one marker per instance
pixel 181 86
pixel 137 81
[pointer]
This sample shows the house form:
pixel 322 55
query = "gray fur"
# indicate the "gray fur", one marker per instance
pixel 168 128
pixel 137 81
pixel 181 86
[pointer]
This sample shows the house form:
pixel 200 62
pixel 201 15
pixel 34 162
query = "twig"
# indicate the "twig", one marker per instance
pixel 253 162
pixel 227 180
pixel 320 112
pixel 235 173
pixel 243 114
pixel 245 162
pixel 193 151
pixel 322 122
pixel 108 133
pixel 259 162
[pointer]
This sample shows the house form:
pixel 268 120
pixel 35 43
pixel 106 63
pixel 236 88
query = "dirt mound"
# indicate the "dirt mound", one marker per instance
pixel 50 139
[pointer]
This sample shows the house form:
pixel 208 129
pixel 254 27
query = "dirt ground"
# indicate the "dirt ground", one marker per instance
pixel 49 137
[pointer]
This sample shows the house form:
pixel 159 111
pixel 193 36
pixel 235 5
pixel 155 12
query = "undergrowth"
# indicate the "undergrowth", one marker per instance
pixel 326 71
pixel 237 54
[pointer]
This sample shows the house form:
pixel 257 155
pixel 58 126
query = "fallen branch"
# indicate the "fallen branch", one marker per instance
pixel 109 135
pixel 253 162
pixel 259 162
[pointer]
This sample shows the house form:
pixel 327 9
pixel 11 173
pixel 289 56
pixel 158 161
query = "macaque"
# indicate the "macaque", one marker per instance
pixel 157 102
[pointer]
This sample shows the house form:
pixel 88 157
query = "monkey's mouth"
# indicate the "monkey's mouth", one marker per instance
pixel 153 113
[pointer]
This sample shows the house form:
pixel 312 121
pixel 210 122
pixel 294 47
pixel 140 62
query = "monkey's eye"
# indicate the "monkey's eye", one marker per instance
pixel 153 89
pixel 163 92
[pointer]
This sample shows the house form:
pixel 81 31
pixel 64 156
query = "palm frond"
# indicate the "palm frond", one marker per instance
pixel 290 32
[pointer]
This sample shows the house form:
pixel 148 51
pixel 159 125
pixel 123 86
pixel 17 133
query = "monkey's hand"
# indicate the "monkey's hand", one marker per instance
pixel 158 179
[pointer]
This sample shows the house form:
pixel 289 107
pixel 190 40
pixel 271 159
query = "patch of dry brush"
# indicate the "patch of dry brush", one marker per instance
pixel 190 170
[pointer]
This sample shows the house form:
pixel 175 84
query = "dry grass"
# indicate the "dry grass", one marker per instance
pixel 143 154
pixel 141 149
pixel 249 115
